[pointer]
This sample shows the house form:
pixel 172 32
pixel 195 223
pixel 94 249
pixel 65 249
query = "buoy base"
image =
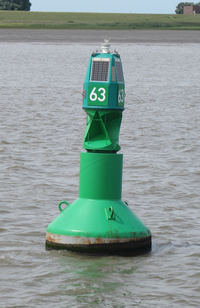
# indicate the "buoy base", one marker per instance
pixel 128 248
pixel 99 227
pixel 99 221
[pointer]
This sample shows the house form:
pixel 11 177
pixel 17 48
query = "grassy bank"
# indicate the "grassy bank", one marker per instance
pixel 45 20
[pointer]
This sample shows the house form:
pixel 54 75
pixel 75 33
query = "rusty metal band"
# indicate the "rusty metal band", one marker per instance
pixel 78 240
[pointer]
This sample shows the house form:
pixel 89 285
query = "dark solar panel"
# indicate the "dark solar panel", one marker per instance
pixel 120 77
pixel 100 70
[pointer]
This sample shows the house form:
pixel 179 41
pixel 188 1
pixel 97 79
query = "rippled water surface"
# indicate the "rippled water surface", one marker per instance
pixel 41 131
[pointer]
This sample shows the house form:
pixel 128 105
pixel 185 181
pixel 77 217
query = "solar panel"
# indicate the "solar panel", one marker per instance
pixel 100 70
pixel 120 77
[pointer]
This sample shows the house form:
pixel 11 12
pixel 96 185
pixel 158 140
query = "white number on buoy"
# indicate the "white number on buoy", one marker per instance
pixel 102 94
pixel 94 96
pixel 121 96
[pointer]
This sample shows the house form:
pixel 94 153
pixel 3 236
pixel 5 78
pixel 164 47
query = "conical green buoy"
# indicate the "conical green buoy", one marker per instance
pixel 99 221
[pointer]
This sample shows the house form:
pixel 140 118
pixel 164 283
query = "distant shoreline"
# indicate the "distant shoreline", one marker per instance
pixel 96 37
pixel 97 21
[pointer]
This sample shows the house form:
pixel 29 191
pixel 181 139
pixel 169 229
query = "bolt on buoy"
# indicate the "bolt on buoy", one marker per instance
pixel 99 221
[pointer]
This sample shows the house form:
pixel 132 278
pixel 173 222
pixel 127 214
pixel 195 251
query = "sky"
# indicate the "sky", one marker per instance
pixel 106 6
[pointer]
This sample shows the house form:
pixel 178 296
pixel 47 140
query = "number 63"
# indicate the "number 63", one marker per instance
pixel 94 96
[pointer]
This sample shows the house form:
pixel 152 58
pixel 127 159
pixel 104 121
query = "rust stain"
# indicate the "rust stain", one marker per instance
pixel 99 240
pixel 78 240
pixel 55 238
pixel 133 234
pixel 84 241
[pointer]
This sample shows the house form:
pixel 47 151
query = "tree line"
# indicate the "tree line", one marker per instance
pixel 15 5
pixel 25 5
pixel 179 8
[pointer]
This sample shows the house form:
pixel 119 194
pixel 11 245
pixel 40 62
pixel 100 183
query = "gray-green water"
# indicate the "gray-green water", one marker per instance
pixel 41 131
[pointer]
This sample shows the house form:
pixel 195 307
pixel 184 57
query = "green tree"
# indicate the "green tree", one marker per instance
pixel 17 5
pixel 179 8
pixel 25 5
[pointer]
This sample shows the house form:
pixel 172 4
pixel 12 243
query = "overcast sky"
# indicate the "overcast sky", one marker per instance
pixel 106 6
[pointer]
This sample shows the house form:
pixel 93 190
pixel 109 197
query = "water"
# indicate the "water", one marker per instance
pixel 41 132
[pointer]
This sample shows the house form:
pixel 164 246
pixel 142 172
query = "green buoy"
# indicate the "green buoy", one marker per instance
pixel 99 221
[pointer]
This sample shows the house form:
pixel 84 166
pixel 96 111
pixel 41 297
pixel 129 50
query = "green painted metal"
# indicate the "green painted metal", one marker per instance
pixel 100 176
pixel 109 97
pixel 99 211
pixel 102 130
pixel 90 219
pixel 98 94
pixel 110 214
pixel 59 205
pixel 99 214
pixel 120 95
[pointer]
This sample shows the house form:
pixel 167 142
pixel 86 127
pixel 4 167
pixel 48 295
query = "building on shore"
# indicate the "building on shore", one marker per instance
pixel 191 10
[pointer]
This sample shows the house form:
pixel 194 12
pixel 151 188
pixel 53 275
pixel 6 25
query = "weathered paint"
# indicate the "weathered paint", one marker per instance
pixel 90 218
pixel 79 240
pixel 100 246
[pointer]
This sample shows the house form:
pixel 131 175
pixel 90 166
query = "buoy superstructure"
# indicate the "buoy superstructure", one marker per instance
pixel 99 221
